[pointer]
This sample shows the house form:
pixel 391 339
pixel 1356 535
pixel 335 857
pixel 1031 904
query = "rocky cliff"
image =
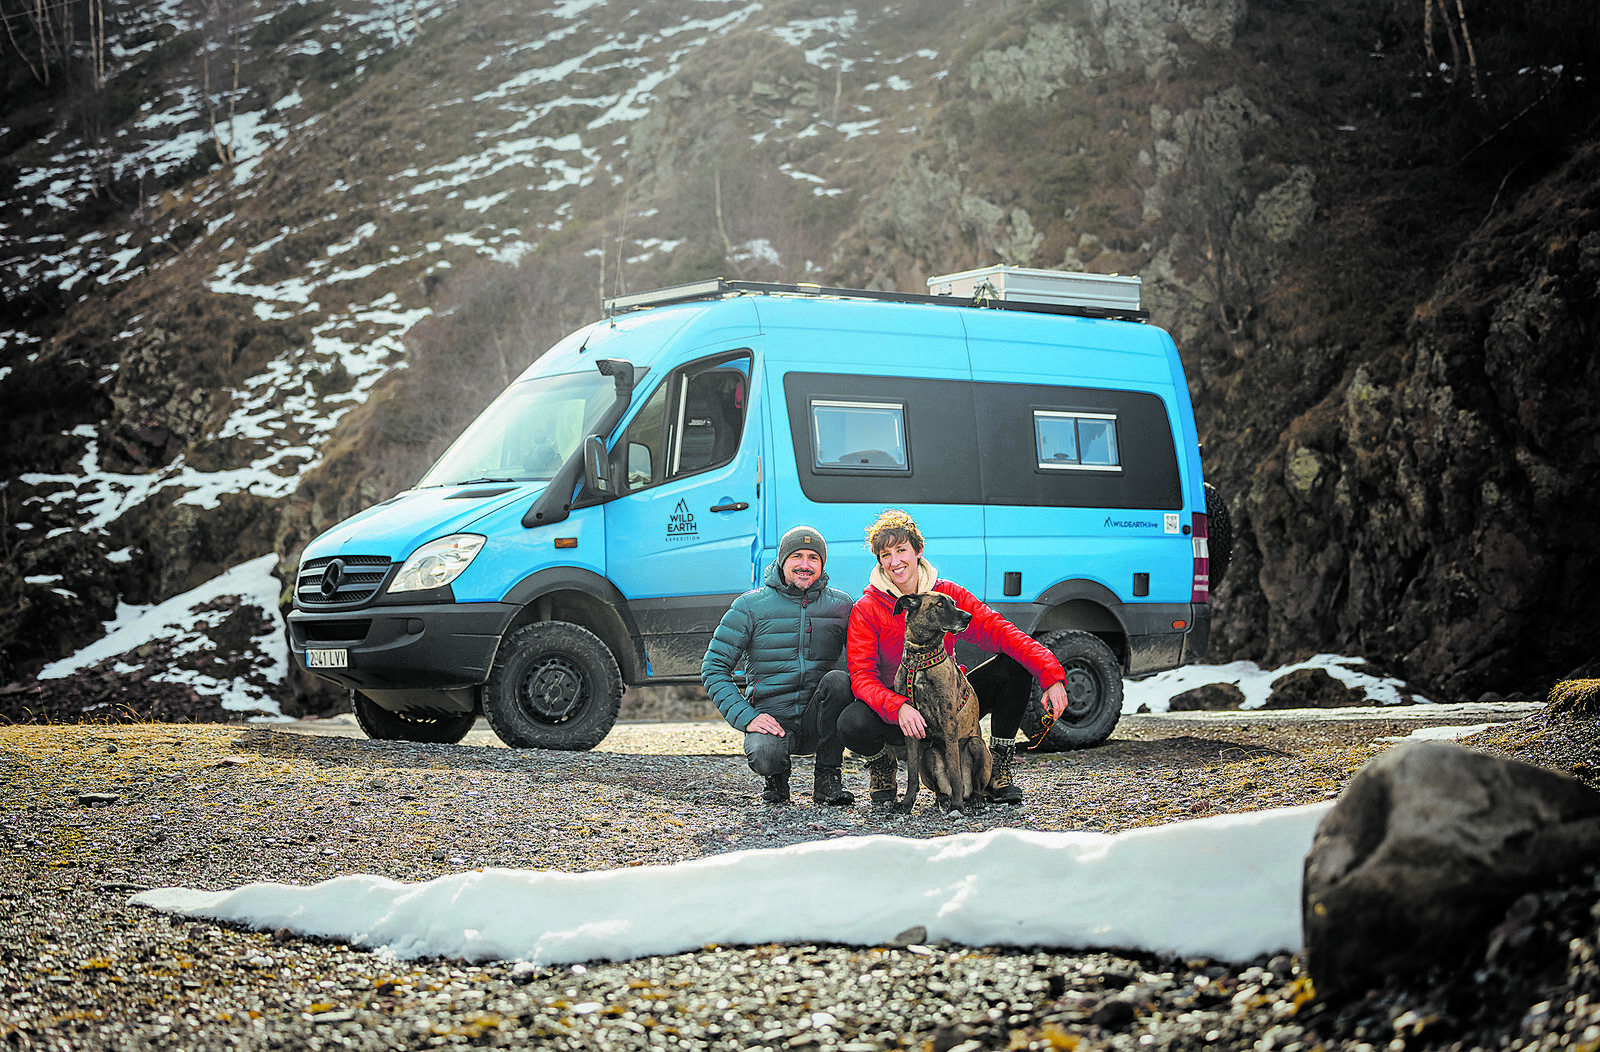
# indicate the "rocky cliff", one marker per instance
pixel 262 261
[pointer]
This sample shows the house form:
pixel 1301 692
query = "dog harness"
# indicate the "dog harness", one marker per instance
pixel 919 659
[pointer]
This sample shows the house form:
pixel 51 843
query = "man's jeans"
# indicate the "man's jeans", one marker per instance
pixel 817 731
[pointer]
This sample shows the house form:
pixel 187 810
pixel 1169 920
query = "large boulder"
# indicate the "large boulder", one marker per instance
pixel 1423 852
pixel 1313 688
pixel 1209 697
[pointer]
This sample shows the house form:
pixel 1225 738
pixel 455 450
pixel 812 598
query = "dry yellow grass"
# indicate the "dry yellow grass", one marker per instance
pixel 1579 697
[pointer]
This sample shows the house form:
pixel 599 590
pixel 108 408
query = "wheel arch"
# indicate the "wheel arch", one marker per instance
pixel 1084 606
pixel 583 598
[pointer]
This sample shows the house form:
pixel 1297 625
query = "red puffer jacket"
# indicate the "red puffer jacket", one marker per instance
pixel 877 638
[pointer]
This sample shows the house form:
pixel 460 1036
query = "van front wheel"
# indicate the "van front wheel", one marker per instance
pixel 1094 693
pixel 554 685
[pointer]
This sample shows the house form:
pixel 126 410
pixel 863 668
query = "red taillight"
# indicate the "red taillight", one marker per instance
pixel 1202 562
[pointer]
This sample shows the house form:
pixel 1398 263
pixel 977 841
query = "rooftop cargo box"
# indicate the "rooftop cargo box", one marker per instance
pixel 1113 292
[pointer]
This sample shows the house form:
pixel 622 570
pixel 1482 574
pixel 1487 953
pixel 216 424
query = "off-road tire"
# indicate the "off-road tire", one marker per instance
pixel 554 685
pixel 1219 535
pixel 1094 693
pixel 382 725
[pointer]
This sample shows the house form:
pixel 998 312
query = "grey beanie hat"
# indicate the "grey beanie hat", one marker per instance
pixel 799 537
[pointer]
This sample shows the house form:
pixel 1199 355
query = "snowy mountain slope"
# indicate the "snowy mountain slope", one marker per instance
pixel 491 165
pixel 257 273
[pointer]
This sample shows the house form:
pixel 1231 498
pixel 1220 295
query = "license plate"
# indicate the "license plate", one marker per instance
pixel 327 658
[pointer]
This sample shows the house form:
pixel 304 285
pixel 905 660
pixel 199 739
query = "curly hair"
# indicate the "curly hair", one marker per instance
pixel 891 528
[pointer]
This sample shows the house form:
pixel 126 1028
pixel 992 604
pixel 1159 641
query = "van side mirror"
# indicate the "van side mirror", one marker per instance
pixel 597 467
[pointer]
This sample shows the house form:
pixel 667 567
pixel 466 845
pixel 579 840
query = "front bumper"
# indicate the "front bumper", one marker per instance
pixel 434 647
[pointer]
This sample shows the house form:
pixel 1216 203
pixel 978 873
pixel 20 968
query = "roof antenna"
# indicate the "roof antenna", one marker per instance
pixel 622 227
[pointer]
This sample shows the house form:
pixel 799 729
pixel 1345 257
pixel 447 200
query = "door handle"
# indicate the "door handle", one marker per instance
pixel 739 505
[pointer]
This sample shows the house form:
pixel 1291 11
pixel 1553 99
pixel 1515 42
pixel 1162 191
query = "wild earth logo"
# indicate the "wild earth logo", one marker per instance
pixel 1130 524
pixel 680 525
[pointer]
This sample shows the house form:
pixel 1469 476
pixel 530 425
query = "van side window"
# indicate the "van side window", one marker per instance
pixel 1076 441
pixel 858 436
pixel 692 422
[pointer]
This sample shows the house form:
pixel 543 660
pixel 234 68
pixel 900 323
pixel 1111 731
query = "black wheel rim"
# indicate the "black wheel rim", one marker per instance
pixel 1083 693
pixel 554 689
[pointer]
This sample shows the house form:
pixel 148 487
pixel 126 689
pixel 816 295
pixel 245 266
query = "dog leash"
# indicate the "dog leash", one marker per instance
pixel 1045 723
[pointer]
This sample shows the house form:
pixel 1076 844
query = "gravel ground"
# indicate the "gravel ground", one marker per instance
pixel 93 813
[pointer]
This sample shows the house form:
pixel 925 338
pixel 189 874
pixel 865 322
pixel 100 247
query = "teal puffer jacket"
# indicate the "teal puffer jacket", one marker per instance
pixel 787 638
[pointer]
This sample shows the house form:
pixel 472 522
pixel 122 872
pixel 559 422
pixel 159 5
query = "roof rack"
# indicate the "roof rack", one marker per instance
pixel 983 296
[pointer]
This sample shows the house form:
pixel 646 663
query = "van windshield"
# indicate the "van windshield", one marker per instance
pixel 527 433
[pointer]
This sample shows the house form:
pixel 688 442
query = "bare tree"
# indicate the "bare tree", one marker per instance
pixel 1457 33
pixel 1204 204
pixel 622 229
pixel 722 227
pixel 220 24
pixel 41 33
pixel 97 43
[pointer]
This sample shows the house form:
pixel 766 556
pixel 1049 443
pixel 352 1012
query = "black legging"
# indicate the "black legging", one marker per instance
pixel 1003 688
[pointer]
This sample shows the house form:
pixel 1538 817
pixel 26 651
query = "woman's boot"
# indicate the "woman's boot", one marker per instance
pixel 881 778
pixel 1002 790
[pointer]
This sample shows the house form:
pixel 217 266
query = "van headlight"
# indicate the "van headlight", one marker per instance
pixel 437 563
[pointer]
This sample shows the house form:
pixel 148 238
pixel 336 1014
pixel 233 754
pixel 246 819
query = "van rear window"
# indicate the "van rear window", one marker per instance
pixel 858 436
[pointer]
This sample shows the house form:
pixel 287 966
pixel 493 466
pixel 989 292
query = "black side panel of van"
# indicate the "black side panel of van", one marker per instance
pixel 955 461
pixel 1011 473
pixel 940 421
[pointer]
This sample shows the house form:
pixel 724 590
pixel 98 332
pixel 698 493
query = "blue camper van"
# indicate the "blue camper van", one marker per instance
pixel 591 527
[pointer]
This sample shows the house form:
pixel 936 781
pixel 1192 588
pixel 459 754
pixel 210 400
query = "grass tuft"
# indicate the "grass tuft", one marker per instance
pixel 1578 697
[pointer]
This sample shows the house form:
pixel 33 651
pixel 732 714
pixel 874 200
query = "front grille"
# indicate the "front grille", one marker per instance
pixel 358 580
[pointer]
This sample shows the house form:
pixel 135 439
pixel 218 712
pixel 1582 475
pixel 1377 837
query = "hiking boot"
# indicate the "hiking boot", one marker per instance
pixel 777 788
pixel 829 787
pixel 881 778
pixel 1001 789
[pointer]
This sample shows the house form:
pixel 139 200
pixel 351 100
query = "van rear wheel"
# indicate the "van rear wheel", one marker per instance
pixel 554 685
pixel 1094 693
pixel 382 725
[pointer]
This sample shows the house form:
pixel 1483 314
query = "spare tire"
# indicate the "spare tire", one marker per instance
pixel 1219 535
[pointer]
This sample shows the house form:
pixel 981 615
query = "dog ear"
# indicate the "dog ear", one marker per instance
pixel 907 602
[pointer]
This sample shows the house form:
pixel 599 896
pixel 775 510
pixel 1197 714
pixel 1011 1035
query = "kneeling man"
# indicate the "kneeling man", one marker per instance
pixel 789 633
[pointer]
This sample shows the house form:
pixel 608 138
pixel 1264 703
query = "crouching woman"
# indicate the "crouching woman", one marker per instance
pixel 880 719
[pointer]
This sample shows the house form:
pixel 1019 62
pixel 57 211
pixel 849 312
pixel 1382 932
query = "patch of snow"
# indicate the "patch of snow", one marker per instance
pixel 1154 693
pixel 1226 887
pixel 184 620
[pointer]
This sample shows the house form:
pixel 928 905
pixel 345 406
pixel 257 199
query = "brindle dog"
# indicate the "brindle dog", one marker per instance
pixel 953 759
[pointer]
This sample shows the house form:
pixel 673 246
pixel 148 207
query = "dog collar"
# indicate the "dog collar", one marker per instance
pixel 917 659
